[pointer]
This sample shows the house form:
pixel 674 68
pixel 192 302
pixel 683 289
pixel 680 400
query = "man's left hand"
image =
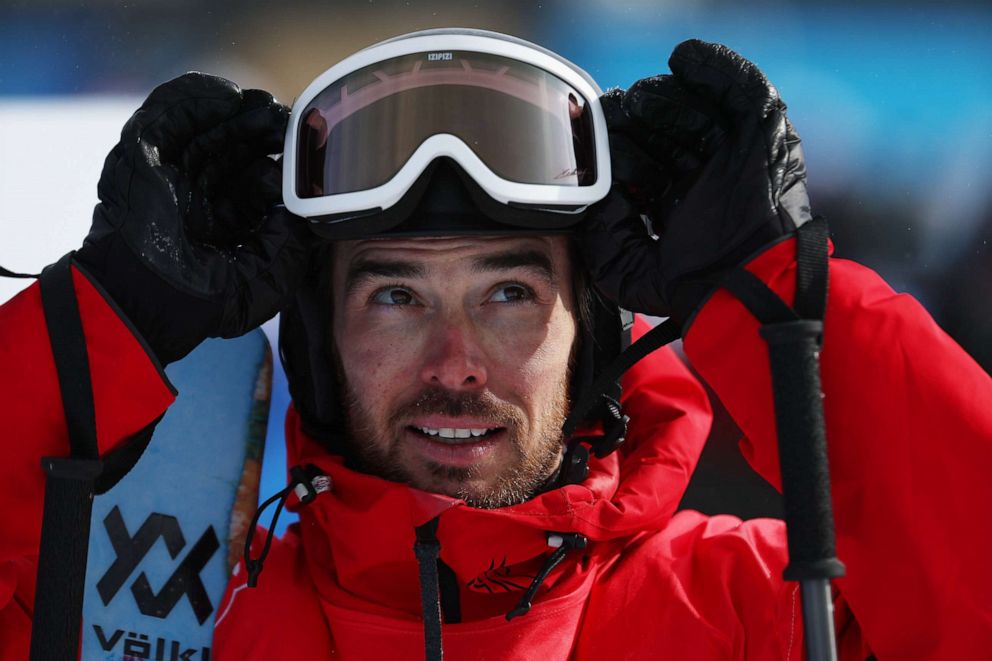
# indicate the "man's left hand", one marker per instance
pixel 708 155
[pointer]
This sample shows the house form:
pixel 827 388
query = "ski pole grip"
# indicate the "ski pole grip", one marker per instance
pixel 793 348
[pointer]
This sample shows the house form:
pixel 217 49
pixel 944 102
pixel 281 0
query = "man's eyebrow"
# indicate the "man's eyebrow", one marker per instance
pixel 534 260
pixel 364 269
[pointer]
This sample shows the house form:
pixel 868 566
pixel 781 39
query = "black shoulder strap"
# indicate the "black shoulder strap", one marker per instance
pixel 70 481
pixel 65 332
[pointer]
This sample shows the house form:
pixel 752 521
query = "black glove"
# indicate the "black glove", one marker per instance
pixel 708 155
pixel 190 238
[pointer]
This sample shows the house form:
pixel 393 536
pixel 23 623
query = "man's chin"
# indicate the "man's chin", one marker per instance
pixel 483 497
pixel 485 491
pixel 474 484
pixel 468 483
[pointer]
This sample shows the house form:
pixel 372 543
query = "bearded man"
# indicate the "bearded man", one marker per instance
pixel 463 232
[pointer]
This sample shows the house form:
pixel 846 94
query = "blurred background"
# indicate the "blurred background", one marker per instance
pixel 893 101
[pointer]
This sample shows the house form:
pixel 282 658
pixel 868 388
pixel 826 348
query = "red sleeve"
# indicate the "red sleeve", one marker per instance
pixel 909 432
pixel 129 391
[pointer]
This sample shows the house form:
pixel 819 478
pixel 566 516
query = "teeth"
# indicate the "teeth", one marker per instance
pixel 450 432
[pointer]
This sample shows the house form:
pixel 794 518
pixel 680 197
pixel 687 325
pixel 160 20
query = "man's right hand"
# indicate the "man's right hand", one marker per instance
pixel 190 237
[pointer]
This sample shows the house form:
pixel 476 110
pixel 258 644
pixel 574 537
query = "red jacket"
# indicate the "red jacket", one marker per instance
pixel 910 442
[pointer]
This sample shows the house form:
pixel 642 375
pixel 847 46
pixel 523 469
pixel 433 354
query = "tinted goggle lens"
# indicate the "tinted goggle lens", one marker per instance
pixel 525 124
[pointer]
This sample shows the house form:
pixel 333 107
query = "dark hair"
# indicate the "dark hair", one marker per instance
pixel 582 289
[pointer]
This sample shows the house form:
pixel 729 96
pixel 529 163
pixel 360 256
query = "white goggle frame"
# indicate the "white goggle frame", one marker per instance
pixel 574 198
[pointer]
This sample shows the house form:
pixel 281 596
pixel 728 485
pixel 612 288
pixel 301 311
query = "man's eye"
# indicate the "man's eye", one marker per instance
pixel 511 294
pixel 393 296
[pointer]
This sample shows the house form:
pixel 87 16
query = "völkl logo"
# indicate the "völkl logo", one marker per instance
pixel 131 550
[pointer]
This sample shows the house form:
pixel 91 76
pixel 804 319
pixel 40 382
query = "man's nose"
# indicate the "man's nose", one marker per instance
pixel 454 358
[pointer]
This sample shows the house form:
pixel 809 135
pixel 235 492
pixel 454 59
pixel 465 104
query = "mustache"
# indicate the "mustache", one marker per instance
pixel 440 401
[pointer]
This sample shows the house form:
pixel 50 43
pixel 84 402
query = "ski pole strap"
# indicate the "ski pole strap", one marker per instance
pixel 794 338
pixel 70 481
pixel 812 271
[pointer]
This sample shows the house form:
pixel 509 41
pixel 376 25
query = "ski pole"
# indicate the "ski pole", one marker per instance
pixel 793 348
pixel 794 337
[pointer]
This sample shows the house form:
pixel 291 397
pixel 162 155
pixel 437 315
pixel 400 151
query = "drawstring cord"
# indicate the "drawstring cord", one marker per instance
pixel 428 549
pixel 306 489
pixel 575 465
pixel 562 544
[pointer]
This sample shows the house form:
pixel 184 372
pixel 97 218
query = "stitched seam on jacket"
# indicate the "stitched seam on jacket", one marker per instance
pixel 792 628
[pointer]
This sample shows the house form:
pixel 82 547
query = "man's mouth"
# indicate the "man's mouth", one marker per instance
pixel 466 442
pixel 455 435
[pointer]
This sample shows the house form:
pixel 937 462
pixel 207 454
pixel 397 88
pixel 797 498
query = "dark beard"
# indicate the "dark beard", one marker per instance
pixel 520 480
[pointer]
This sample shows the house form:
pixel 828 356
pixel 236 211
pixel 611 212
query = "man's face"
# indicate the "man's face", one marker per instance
pixel 454 356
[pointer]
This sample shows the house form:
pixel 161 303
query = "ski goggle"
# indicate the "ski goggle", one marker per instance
pixel 522 122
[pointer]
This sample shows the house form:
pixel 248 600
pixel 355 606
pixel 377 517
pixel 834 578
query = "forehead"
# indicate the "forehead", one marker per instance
pixel 451 252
